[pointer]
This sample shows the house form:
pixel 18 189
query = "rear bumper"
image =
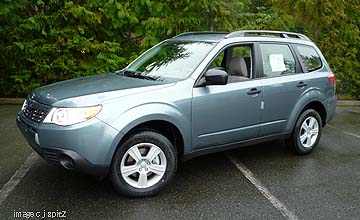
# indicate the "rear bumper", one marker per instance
pixel 53 146
pixel 330 106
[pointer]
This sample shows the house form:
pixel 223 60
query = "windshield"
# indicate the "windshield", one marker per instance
pixel 171 60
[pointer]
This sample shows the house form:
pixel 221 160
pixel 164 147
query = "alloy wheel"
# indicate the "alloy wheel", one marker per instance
pixel 309 132
pixel 143 165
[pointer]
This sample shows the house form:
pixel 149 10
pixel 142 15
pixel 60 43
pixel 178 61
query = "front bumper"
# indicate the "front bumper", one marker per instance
pixel 87 147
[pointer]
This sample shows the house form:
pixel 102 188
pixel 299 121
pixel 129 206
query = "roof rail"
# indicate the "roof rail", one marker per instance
pixel 282 34
pixel 198 33
pixel 205 36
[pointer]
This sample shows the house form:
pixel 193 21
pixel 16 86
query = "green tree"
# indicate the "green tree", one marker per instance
pixel 44 41
pixel 47 41
pixel 334 26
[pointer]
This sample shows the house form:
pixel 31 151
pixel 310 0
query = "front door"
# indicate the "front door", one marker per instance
pixel 223 114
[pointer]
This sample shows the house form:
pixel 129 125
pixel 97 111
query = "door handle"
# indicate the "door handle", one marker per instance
pixel 301 84
pixel 254 91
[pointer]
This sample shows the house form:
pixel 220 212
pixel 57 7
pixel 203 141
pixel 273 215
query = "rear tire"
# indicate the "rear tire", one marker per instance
pixel 143 165
pixel 306 134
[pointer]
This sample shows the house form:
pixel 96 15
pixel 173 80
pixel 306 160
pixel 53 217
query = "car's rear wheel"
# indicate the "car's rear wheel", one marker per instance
pixel 307 132
pixel 143 165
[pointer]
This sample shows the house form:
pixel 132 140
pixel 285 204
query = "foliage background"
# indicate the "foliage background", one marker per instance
pixel 45 41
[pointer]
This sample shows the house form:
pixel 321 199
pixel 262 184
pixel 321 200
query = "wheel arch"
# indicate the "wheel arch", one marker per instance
pixel 319 107
pixel 164 127
pixel 311 100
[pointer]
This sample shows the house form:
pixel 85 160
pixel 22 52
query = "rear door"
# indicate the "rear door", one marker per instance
pixel 283 83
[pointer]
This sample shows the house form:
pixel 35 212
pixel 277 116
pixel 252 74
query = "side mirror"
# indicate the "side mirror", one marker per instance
pixel 216 77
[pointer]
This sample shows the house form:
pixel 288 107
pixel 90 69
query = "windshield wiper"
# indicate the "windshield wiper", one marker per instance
pixel 139 75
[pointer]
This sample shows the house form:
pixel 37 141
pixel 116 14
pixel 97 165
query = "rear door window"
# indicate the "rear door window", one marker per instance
pixel 309 57
pixel 277 60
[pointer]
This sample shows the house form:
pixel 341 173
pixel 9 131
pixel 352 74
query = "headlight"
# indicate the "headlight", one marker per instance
pixel 70 116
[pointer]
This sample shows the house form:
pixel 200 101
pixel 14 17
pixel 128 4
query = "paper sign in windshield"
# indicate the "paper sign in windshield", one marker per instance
pixel 277 62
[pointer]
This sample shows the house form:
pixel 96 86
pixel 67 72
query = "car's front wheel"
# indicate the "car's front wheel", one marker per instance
pixel 307 132
pixel 143 165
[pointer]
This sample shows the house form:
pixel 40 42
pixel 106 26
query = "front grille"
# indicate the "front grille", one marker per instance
pixel 35 111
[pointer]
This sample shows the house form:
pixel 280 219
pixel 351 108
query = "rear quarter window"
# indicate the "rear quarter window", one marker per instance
pixel 309 57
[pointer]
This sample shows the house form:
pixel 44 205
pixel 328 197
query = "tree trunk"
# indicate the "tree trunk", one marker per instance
pixel 212 28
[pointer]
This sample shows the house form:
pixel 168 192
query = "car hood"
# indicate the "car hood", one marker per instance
pixel 88 85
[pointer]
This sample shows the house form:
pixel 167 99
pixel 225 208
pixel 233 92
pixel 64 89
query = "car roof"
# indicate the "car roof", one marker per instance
pixel 245 34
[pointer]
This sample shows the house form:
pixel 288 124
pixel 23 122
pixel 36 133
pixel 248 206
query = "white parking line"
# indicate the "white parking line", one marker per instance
pixel 345 132
pixel 16 178
pixel 353 111
pixel 266 193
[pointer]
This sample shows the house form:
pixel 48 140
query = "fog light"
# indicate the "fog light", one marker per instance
pixel 67 162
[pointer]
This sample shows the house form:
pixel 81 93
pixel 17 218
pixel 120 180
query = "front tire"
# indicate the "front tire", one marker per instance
pixel 307 132
pixel 143 165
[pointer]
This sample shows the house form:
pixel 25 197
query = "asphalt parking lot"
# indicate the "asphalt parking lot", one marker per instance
pixel 322 185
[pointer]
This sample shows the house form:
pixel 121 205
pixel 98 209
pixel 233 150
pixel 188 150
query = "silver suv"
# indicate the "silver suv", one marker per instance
pixel 193 94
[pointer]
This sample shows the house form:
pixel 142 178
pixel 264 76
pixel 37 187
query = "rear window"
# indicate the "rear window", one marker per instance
pixel 309 57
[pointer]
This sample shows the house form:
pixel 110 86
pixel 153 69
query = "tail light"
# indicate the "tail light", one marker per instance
pixel 331 78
